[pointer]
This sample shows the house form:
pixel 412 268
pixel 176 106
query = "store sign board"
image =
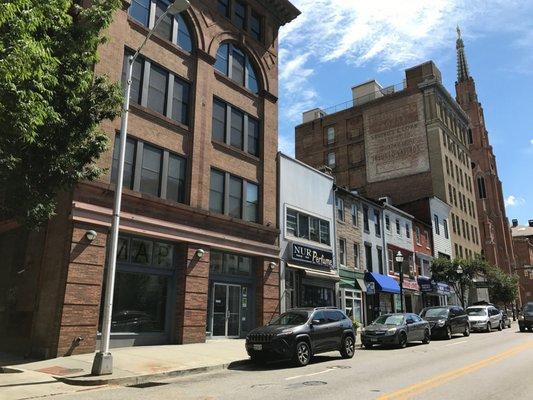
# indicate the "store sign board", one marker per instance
pixel 311 255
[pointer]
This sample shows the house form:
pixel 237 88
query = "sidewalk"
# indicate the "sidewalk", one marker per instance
pixel 132 365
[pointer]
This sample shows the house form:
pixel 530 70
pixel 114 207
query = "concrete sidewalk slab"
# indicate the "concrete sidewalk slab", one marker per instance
pixel 133 365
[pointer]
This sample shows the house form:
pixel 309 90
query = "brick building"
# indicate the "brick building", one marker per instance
pixel 198 249
pixel 495 234
pixel 523 252
pixel 406 143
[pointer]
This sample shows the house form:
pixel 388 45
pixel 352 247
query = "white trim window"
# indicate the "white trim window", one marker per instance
pixel 304 226
pixel 342 251
pixel 331 160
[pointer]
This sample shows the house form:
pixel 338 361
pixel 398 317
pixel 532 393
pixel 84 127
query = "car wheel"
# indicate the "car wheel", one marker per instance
pixel 467 330
pixel 427 337
pixel 500 326
pixel 303 354
pixel 347 347
pixel 448 333
pixel 402 340
pixel 367 345
pixel 489 327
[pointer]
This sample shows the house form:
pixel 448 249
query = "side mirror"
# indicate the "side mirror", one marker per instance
pixel 410 321
pixel 315 322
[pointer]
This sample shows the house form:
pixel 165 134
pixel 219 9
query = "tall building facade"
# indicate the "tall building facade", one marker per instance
pixel 199 245
pixel 406 143
pixel 523 251
pixel 495 234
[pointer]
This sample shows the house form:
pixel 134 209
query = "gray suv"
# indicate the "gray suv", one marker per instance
pixel 484 318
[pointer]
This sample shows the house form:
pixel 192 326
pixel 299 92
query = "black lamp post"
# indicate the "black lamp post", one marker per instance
pixel 399 261
pixel 459 271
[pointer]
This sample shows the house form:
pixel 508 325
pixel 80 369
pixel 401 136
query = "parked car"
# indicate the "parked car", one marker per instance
pixel 484 318
pixel 301 333
pixel 506 320
pixel 525 319
pixel 445 321
pixel 396 329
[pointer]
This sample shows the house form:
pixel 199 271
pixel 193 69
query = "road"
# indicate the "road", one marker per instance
pixel 497 365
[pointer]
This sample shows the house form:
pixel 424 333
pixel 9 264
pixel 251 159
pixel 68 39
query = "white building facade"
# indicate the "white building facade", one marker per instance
pixel 308 273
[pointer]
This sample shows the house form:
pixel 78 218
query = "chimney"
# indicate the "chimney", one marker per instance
pixel 311 115
pixel 366 92
pixel 530 223
pixel 424 72
pixel 515 223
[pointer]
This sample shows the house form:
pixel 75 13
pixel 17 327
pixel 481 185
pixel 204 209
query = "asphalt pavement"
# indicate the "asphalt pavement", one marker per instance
pixel 497 365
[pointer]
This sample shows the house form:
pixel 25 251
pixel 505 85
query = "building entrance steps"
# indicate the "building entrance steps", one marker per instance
pixel 133 365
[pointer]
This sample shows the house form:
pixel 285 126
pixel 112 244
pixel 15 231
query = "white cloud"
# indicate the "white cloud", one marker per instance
pixel 387 33
pixel 531 141
pixel 512 201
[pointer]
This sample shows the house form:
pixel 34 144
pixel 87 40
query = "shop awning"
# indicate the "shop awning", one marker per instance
pixel 313 273
pixel 383 283
pixel 350 283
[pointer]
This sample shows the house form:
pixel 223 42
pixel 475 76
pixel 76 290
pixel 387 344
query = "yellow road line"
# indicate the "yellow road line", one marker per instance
pixel 441 379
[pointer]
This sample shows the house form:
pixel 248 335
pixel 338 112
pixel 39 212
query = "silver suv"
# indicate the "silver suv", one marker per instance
pixel 484 318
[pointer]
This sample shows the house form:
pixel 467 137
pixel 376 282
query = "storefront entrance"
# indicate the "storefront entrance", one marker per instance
pixel 226 310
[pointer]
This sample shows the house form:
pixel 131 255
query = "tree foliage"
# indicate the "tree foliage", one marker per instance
pixel 51 102
pixel 503 288
pixel 445 270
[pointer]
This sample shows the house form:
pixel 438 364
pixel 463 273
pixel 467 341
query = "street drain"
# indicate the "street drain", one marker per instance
pixel 314 383
pixel 339 367
pixel 148 384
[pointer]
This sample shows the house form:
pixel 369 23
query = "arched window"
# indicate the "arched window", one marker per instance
pixel 236 65
pixel 171 28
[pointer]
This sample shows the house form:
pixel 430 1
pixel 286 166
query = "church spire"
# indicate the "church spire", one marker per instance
pixel 462 66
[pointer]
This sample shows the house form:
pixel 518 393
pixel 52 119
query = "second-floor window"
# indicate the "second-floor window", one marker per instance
pixel 331 160
pixel 417 235
pixel 356 255
pixel 236 65
pixel 331 135
pixel 306 226
pixel 241 132
pixel 407 230
pixel 446 233
pixel 152 170
pixel 170 28
pixel 152 86
pixel 233 196
pixel 398 230
pixel 366 225
pixel 342 251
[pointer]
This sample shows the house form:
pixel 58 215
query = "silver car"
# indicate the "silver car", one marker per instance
pixel 484 318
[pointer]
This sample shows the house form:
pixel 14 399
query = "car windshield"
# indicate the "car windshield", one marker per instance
pixel 434 312
pixel 476 311
pixel 291 318
pixel 389 320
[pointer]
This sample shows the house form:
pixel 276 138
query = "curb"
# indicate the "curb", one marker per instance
pixel 137 379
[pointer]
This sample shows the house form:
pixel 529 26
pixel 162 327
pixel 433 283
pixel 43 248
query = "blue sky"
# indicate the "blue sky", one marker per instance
pixel 336 44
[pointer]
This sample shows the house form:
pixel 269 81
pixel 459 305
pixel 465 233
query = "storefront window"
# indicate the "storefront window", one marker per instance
pixel 230 264
pixel 353 305
pixel 314 296
pixel 139 303
pixel 141 251
pixel 162 255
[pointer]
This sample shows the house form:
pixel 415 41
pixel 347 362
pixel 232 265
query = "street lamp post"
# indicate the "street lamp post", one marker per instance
pixel 399 261
pixel 103 360
pixel 459 271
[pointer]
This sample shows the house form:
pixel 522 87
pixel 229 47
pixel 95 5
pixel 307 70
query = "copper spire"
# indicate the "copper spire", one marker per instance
pixel 462 66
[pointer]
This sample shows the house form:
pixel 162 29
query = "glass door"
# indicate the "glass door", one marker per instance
pixel 226 310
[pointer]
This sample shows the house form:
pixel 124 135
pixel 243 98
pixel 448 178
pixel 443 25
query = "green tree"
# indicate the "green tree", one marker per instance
pixel 445 270
pixel 503 288
pixel 51 102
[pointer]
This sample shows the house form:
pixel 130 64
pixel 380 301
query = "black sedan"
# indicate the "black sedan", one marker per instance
pixel 445 321
pixel 396 329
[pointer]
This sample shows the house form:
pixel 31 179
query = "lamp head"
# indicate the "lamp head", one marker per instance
pixel 178 6
pixel 459 269
pixel 399 257
pixel 200 253
pixel 91 235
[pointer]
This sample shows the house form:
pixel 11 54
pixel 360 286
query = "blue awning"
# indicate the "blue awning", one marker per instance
pixel 383 283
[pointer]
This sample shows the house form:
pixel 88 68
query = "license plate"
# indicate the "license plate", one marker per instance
pixel 258 347
pixel 373 340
